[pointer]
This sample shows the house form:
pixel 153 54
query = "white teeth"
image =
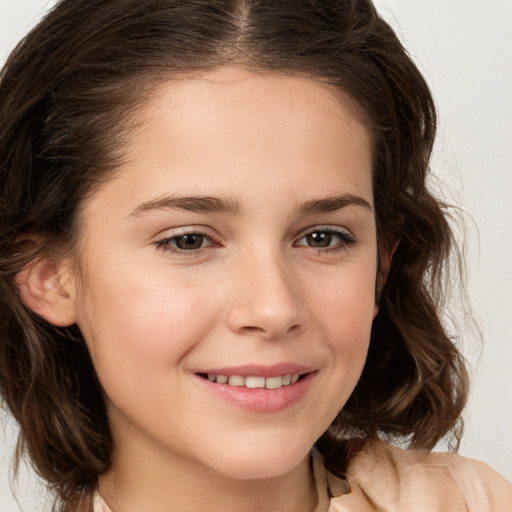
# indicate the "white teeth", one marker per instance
pixel 236 380
pixel 274 382
pixel 253 382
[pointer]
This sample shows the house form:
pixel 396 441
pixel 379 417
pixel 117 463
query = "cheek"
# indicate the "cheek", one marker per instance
pixel 348 334
pixel 345 302
pixel 136 323
pixel 344 315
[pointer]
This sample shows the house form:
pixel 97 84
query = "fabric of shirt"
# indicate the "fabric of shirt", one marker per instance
pixel 383 478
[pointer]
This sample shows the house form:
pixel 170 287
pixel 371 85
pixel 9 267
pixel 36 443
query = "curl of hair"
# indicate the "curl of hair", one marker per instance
pixel 67 96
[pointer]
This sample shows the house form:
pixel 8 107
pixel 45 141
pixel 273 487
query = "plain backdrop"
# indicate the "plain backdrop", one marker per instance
pixel 464 47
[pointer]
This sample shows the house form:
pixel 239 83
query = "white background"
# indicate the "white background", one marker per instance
pixel 464 47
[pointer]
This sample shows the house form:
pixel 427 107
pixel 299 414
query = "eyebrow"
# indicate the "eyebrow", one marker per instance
pixel 202 204
pixel 208 204
pixel 331 204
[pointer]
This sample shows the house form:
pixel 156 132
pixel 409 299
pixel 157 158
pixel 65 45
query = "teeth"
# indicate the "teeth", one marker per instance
pixel 236 380
pixel 274 382
pixel 253 382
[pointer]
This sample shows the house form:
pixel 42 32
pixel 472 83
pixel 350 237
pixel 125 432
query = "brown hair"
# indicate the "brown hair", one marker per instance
pixel 66 94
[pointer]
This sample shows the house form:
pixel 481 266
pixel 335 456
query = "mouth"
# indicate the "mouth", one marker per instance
pixel 258 388
pixel 255 381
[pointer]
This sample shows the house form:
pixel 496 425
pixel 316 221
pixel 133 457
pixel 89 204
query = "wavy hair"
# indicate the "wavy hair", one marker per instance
pixel 67 95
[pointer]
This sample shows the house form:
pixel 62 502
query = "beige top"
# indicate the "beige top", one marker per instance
pixel 382 478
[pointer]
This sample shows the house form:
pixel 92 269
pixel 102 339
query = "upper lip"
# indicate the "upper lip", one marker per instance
pixel 255 370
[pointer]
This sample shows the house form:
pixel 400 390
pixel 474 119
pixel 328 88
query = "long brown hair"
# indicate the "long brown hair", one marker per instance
pixel 67 94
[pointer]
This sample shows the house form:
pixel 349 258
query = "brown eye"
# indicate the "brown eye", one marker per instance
pixel 189 242
pixel 319 239
pixel 327 240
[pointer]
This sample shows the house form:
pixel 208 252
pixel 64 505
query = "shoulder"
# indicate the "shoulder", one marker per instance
pixel 402 480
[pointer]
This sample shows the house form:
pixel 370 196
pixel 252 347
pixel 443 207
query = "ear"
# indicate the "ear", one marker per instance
pixel 385 258
pixel 47 287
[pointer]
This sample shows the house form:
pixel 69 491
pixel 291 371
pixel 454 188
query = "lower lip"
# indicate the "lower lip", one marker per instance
pixel 258 399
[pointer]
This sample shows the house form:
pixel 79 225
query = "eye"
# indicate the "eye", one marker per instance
pixel 327 239
pixel 186 242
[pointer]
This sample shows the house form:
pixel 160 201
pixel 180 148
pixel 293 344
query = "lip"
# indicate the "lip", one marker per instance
pixel 259 400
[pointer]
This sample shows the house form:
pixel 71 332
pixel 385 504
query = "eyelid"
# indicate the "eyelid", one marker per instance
pixel 185 230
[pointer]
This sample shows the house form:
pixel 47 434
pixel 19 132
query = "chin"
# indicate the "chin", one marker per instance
pixel 256 462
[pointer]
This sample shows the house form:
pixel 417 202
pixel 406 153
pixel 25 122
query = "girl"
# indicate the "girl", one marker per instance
pixel 220 264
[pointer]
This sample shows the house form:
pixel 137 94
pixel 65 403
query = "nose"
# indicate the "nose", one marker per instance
pixel 267 300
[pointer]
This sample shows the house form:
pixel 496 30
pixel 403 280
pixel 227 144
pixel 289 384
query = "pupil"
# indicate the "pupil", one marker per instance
pixel 189 242
pixel 319 239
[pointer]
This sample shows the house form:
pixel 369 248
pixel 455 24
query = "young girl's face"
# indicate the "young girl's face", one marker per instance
pixel 236 242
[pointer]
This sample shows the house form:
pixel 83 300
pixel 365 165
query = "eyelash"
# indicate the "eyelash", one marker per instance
pixel 346 240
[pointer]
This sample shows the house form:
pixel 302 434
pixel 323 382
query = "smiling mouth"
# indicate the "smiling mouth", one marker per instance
pixel 253 381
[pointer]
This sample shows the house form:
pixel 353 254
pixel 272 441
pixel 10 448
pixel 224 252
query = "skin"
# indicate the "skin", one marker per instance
pixel 257 291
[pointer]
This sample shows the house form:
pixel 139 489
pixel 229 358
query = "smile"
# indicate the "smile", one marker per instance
pixel 253 381
pixel 258 389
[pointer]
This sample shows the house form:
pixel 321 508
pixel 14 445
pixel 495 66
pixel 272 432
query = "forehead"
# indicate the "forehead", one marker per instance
pixel 244 97
pixel 215 133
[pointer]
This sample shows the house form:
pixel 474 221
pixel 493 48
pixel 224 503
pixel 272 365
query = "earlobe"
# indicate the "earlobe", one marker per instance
pixel 47 287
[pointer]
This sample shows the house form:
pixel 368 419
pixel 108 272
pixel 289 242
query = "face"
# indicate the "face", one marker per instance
pixel 228 273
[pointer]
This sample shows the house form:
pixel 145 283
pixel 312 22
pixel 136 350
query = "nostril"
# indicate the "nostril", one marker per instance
pixel 252 329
